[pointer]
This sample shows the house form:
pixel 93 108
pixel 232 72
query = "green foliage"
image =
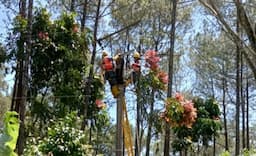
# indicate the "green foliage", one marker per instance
pixel 10 134
pixel 97 89
pixel 20 24
pixel 59 55
pixel 208 123
pixel 245 152
pixel 174 110
pixel 225 153
pixel 250 152
pixel 58 61
pixel 204 129
pixel 181 144
pixel 4 106
pixel 155 81
pixel 65 139
pixel 104 138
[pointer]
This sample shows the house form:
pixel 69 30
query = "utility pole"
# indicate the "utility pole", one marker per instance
pixel 119 107
pixel 119 127
pixel 170 73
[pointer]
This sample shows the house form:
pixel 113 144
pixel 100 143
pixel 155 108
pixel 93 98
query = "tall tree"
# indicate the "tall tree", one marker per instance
pixel 224 104
pixel 238 87
pixel 247 114
pixel 83 19
pixel 20 102
pixel 72 5
pixel 91 72
pixel 22 137
pixel 242 101
pixel 246 25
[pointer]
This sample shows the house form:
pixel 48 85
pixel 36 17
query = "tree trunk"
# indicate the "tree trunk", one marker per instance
pixel 242 103
pixel 20 100
pixel 224 86
pixel 214 145
pixel 247 115
pixel 137 135
pixel 90 78
pixel 238 84
pixel 150 122
pixel 20 61
pixel 138 112
pixel 72 6
pixel 22 137
pixel 83 20
pixel 170 73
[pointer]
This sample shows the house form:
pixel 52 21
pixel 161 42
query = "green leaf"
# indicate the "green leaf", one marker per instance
pixel 10 134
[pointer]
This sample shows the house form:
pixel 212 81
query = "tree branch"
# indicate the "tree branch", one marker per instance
pixel 118 31
pixel 210 6
pixel 246 25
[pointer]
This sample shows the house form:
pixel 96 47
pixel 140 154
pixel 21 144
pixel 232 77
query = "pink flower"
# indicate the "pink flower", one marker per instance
pixel 75 28
pixel 179 97
pixel 43 35
pixel 188 106
pixel 40 35
pixel 163 77
pixel 100 104
pixel 152 59
pixel 149 54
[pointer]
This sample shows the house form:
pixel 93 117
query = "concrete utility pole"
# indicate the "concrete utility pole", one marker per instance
pixel 119 107
pixel 119 127
pixel 170 73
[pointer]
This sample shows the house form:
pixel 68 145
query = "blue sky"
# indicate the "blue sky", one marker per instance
pixel 4 23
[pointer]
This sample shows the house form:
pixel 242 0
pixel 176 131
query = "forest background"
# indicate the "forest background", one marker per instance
pixel 50 57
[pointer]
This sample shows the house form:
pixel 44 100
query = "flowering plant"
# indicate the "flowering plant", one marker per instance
pixel 100 104
pixel 152 59
pixel 159 78
pixel 179 112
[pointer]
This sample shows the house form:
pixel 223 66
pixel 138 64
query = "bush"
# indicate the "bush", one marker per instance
pixel 64 139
